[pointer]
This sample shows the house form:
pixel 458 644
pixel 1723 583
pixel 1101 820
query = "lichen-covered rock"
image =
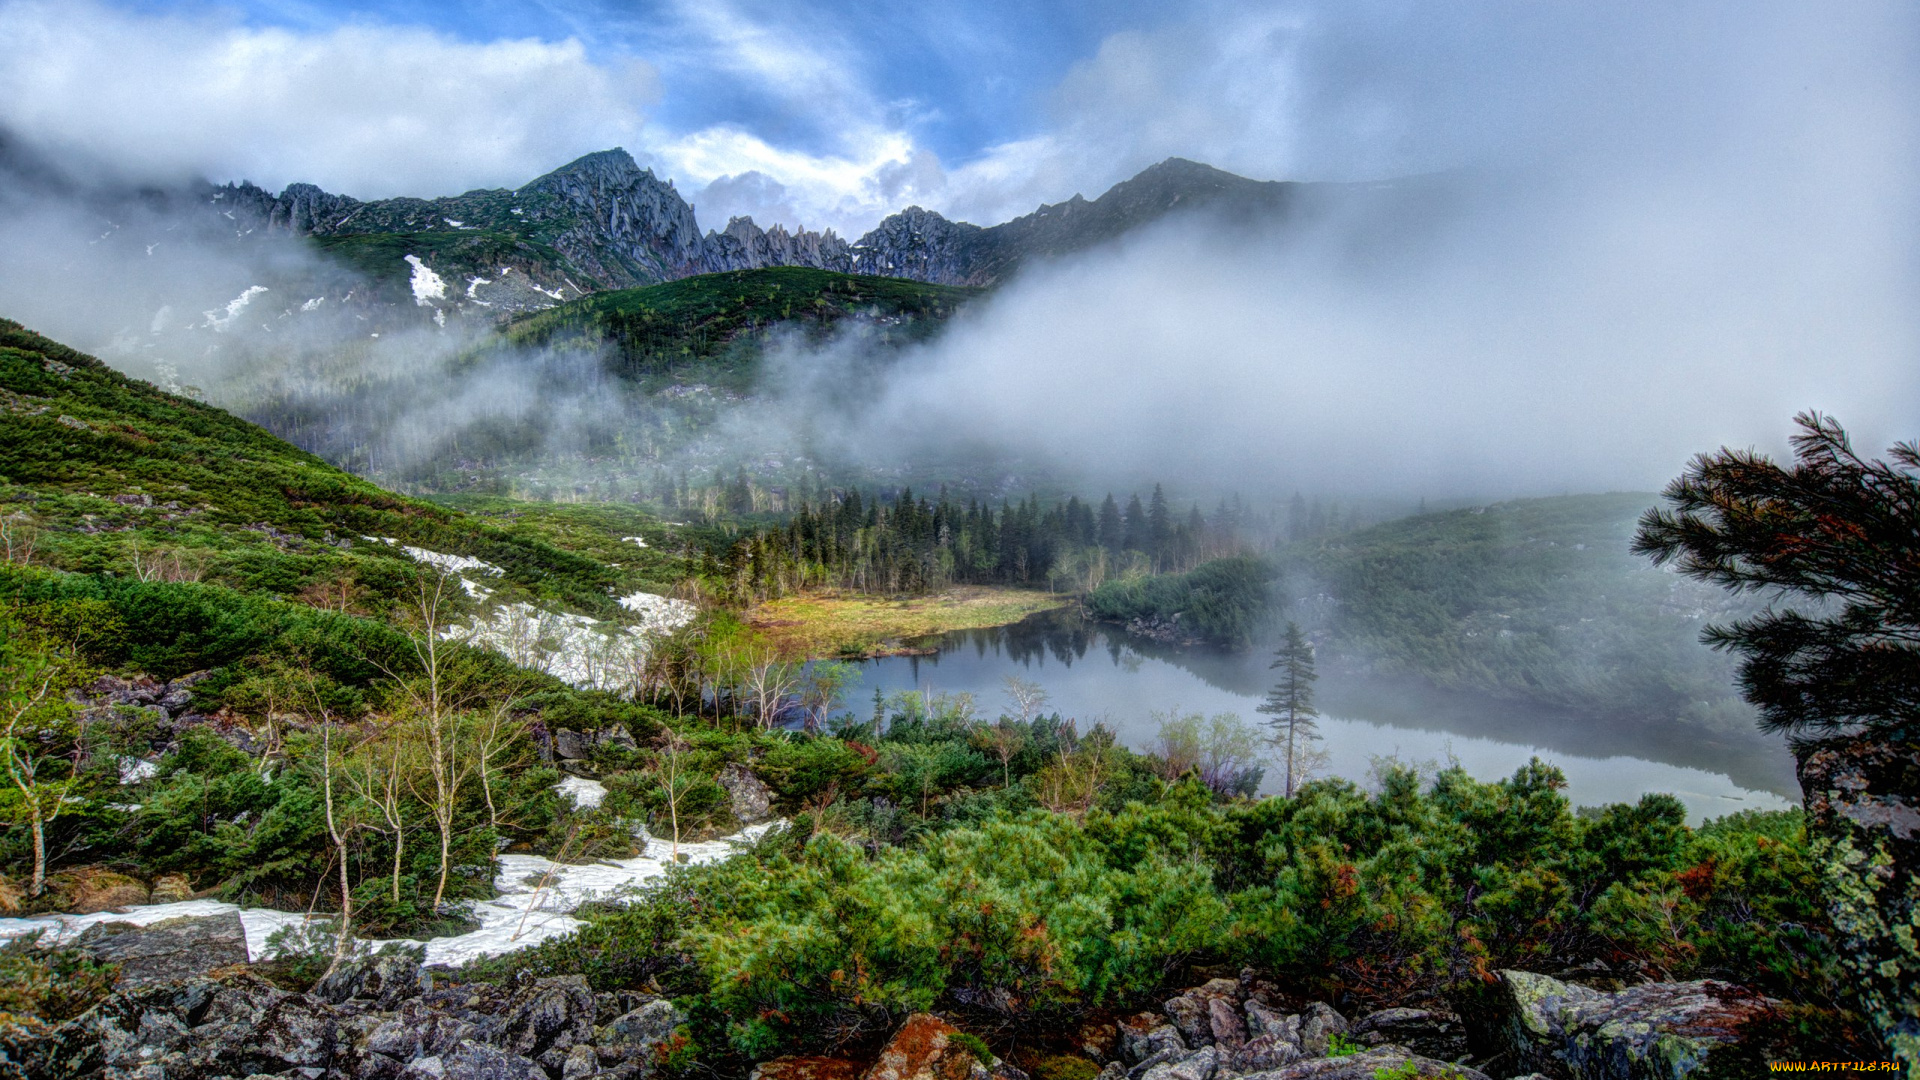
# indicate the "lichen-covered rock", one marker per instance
pixel 1229 1031
pixel 750 800
pixel 636 1036
pixel 88 889
pixel 385 980
pixel 1318 1025
pixel 1656 1031
pixel 171 889
pixel 1862 797
pixel 1370 1065
pixel 1426 1032
pixel 549 1015
pixel 924 1049
pixel 167 951
pixel 1199 1065
pixel 1191 1017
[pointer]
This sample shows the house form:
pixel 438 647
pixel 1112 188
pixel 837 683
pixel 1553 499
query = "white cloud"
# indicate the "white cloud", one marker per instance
pixel 369 110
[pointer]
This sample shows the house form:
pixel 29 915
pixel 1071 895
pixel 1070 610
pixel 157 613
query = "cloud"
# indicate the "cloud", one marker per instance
pixel 369 110
pixel 1652 240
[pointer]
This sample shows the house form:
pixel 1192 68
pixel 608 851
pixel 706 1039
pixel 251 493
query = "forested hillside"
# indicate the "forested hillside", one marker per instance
pixel 713 325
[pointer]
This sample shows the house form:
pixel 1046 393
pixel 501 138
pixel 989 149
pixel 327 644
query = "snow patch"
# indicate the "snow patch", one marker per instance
pixel 452 564
pixel 586 794
pixel 579 650
pixel 238 304
pixel 536 901
pixel 313 304
pixel 133 770
pixel 427 285
pixel 455 224
pixel 641 540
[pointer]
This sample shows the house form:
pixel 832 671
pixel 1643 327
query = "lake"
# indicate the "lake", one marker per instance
pixel 1095 672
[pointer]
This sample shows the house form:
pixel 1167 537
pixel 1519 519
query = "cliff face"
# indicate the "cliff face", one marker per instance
pixel 1862 798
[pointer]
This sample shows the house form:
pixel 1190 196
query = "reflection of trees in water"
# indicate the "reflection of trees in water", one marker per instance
pixel 1752 760
pixel 1060 634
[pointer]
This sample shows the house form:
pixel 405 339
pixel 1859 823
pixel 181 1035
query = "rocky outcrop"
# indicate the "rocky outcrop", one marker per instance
pixel 921 245
pixel 167 951
pixel 373 1019
pixel 750 799
pixel 1436 1034
pixel 1862 798
pixel 1225 1029
pixel 1655 1031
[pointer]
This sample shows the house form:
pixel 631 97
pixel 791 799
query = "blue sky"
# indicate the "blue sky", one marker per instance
pixel 815 113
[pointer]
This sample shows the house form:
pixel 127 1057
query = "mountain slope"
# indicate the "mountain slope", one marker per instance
pixel 99 472
pixel 663 329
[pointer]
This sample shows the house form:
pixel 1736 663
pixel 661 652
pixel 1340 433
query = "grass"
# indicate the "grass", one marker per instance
pixel 840 624
pixel 108 471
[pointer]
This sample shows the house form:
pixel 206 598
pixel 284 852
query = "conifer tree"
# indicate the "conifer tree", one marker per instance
pixel 1290 703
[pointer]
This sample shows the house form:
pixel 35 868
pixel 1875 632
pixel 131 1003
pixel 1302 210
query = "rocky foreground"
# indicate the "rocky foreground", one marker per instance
pixel 386 1018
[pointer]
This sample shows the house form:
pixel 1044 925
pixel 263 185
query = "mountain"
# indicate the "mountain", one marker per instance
pixel 922 245
pixel 99 472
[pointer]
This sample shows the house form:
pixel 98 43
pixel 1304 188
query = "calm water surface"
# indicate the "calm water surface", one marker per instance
pixel 1092 672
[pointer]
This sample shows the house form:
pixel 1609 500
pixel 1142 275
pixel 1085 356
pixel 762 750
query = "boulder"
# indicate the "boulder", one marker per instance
pixel 1370 1065
pixel 1318 1025
pixel 1426 1032
pixel 635 1035
pixel 751 800
pixel 806 1068
pixel 924 1049
pixel 1191 1017
pixel 1229 1031
pixel 1655 1030
pixel 87 889
pixel 549 1015
pixel 1862 797
pixel 167 951
pixel 171 889
pixel 384 980
pixel 1199 1065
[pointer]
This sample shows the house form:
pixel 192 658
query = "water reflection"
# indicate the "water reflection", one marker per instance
pixel 1096 672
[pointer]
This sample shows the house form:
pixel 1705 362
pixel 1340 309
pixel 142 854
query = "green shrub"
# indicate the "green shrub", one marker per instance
pixel 51 985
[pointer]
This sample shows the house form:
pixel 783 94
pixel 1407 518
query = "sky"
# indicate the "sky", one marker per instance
pixel 815 112
pixel 1671 224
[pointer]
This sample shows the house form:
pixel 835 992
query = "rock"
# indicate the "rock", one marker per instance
pixel 752 801
pixel 1156 1047
pixel 551 1014
pixel 1263 1052
pixel 1318 1025
pixel 1663 1030
pixel 478 1061
pixel 1191 1016
pixel 1113 1070
pixel 572 745
pixel 805 1068
pixel 87 889
pixel 1135 1033
pixel 1862 797
pixel 1229 1031
pixel 635 1035
pixel 1200 1065
pixel 167 951
pixel 171 889
pixel 1369 1065
pixel 1427 1033
pixel 1261 1020
pixel 924 1049
pixel 385 980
